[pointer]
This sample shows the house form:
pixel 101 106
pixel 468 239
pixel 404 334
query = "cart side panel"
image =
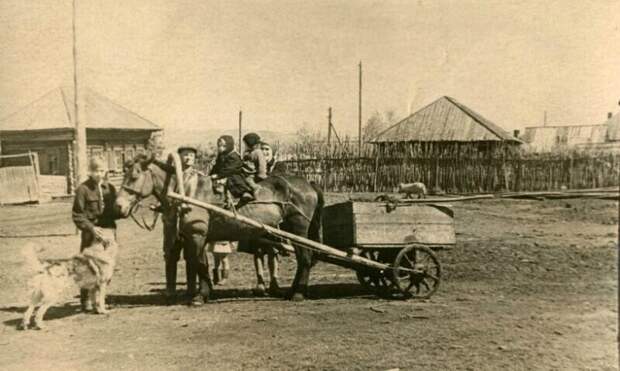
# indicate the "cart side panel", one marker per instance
pixel 372 224
pixel 428 224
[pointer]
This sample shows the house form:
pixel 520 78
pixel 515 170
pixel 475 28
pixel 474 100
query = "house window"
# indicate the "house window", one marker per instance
pixel 96 152
pixel 52 163
pixel 118 160
pixel 49 161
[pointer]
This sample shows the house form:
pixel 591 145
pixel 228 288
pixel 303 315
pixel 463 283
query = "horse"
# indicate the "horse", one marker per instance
pixel 289 202
pixel 261 248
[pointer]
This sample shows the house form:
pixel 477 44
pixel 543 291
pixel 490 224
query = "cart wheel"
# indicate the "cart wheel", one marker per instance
pixel 417 272
pixel 374 280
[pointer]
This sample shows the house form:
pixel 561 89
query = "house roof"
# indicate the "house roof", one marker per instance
pixel 444 120
pixel 54 110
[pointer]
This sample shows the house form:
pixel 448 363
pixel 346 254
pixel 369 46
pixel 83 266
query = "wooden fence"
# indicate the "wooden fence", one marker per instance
pixel 19 183
pixel 461 175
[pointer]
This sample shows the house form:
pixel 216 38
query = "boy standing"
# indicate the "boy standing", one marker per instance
pixel 94 213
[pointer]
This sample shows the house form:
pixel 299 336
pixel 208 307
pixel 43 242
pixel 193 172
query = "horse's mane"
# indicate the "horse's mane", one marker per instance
pixel 140 158
pixel 145 160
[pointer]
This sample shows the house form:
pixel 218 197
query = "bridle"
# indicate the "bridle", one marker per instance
pixel 136 204
pixel 139 195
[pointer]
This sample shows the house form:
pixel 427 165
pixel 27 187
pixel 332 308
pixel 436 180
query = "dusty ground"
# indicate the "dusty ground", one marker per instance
pixel 530 285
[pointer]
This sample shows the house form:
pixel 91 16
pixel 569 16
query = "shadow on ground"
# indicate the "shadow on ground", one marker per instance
pixel 53 313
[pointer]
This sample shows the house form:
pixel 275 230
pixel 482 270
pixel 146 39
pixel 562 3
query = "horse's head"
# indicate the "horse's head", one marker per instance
pixel 137 184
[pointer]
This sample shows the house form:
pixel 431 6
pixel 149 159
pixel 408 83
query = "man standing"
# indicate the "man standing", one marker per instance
pixel 94 212
pixel 173 241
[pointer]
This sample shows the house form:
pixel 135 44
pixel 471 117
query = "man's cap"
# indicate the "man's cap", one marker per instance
pixel 187 147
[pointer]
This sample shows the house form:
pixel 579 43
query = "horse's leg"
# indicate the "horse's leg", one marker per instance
pixel 260 278
pixel 299 287
pixel 295 283
pixel 304 277
pixel 272 261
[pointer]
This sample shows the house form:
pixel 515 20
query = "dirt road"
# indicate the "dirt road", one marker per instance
pixel 530 285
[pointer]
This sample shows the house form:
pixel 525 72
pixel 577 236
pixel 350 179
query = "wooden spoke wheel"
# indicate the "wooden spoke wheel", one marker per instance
pixel 416 272
pixel 373 279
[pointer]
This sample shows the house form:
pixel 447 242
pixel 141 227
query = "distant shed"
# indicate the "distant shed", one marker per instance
pixel 547 138
pixel 600 137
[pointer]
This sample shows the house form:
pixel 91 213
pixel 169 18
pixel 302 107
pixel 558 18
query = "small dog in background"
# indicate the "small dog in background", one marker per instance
pixel 92 269
pixel 409 189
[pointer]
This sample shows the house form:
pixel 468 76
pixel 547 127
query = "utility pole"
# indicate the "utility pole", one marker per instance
pixel 329 128
pixel 359 116
pixel 80 129
pixel 240 117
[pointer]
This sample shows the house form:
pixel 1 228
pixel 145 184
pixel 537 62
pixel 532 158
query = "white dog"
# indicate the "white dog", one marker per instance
pixel 417 188
pixel 92 270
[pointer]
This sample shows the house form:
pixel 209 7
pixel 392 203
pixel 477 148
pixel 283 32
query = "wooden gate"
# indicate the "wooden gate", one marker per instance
pixel 19 182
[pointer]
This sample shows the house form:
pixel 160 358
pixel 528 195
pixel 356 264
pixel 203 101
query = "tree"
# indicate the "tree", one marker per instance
pixel 307 144
pixel 377 123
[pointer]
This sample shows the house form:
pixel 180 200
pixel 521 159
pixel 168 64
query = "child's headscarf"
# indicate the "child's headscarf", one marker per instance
pixel 229 142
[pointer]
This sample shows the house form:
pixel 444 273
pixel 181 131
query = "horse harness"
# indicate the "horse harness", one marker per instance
pixel 166 204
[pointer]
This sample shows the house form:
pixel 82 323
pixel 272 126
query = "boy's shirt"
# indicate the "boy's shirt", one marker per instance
pixel 93 205
pixel 254 163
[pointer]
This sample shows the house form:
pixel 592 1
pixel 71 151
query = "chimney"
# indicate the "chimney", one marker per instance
pixel 516 133
pixel 609 114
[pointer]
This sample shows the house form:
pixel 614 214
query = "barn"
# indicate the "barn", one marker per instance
pixel 444 127
pixel 46 127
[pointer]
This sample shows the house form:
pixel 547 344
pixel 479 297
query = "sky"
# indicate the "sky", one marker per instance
pixel 197 63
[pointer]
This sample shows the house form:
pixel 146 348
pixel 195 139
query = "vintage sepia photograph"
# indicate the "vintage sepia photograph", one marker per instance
pixel 309 185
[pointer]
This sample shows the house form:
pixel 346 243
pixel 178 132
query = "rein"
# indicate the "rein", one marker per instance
pixel 136 205
pixel 173 162
pixel 143 225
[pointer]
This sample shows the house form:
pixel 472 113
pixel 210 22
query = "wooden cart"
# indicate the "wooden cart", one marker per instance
pixel 390 246
pixel 403 237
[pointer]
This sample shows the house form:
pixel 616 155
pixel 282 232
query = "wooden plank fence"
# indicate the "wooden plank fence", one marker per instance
pixel 19 178
pixel 462 174
pixel 18 184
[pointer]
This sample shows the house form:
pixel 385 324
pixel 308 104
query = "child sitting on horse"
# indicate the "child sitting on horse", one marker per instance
pixel 254 163
pixel 228 169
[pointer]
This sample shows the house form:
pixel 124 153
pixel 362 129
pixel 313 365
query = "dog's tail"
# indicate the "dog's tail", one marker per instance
pixel 31 260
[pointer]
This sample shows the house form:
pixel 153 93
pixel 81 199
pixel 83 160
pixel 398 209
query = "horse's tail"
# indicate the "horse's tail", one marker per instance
pixel 316 223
